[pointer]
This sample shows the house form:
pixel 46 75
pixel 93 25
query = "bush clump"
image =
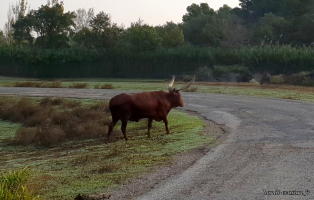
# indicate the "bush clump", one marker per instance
pixel 187 78
pixel 53 120
pixel 229 73
pixel 204 74
pixel 79 85
pixel 107 86
pixel 43 84
pixel 278 79
pixel 13 186
pixel 302 78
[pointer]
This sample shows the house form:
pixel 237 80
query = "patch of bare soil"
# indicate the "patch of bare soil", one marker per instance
pixel 148 180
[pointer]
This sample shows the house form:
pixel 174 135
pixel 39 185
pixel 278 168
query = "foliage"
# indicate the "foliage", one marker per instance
pixel 12 186
pixel 141 37
pixel 228 73
pixel 51 24
pixel 152 64
pixel 2 38
pixel 279 79
pixel 171 35
pixel 204 74
pixel 195 11
pixel 83 18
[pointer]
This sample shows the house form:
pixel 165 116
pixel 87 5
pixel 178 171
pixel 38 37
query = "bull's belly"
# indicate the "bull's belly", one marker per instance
pixel 138 118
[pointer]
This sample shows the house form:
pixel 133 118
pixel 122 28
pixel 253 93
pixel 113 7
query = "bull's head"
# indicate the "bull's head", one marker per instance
pixel 176 99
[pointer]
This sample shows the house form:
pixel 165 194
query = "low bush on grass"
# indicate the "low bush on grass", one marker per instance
pixel 187 78
pixel 13 186
pixel 49 121
pixel 43 84
pixel 79 85
pixel 228 73
pixel 279 79
pixel 107 86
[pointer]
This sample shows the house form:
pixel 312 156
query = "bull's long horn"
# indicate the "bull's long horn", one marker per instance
pixel 188 85
pixel 171 83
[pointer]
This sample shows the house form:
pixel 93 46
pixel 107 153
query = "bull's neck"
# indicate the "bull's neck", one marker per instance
pixel 171 101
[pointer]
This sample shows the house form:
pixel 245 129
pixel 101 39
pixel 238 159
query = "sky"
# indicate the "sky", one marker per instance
pixel 152 12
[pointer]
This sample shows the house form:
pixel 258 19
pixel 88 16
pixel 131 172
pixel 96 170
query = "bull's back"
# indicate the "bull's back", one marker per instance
pixel 136 106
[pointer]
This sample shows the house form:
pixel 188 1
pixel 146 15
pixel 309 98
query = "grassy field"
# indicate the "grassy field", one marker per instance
pixel 94 166
pixel 281 91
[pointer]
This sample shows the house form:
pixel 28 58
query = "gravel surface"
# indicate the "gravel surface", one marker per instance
pixel 268 154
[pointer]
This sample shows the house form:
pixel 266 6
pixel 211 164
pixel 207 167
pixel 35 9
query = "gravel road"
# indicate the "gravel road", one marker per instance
pixel 269 153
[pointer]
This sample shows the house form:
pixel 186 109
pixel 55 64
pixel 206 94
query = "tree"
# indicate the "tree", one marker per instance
pixel 234 33
pixel 253 10
pixel 52 25
pixel 171 35
pixel 83 18
pixel 304 29
pixel 2 38
pixel 141 37
pixel 195 11
pixel 14 13
pixel 23 29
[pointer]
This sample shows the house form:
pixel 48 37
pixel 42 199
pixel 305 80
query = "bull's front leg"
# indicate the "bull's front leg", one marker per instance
pixel 123 128
pixel 150 122
pixel 166 125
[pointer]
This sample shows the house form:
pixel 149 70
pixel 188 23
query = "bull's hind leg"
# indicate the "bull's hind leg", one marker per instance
pixel 123 128
pixel 111 125
pixel 150 122
pixel 166 125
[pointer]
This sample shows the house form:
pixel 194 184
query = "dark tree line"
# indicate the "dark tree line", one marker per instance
pixel 255 22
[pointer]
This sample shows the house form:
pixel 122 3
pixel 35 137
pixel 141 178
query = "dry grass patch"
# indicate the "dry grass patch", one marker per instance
pixel 79 85
pixel 50 121
pixel 43 84
pixel 107 86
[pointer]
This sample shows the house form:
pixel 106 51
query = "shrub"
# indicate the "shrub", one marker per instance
pixel 228 73
pixel 44 84
pixel 204 73
pixel 26 84
pixel 107 86
pixel 307 82
pixel 54 84
pixel 78 85
pixel 279 79
pixel 187 78
pixel 298 79
pixel 12 186
pixel 51 121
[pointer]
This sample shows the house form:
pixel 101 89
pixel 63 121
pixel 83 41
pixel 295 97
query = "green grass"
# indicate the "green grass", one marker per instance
pixel 13 185
pixel 91 166
pixel 8 130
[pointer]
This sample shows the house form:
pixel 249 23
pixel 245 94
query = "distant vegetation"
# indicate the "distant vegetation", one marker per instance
pixel 259 35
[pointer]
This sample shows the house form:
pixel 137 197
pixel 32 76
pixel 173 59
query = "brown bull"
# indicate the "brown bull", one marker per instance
pixel 151 105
